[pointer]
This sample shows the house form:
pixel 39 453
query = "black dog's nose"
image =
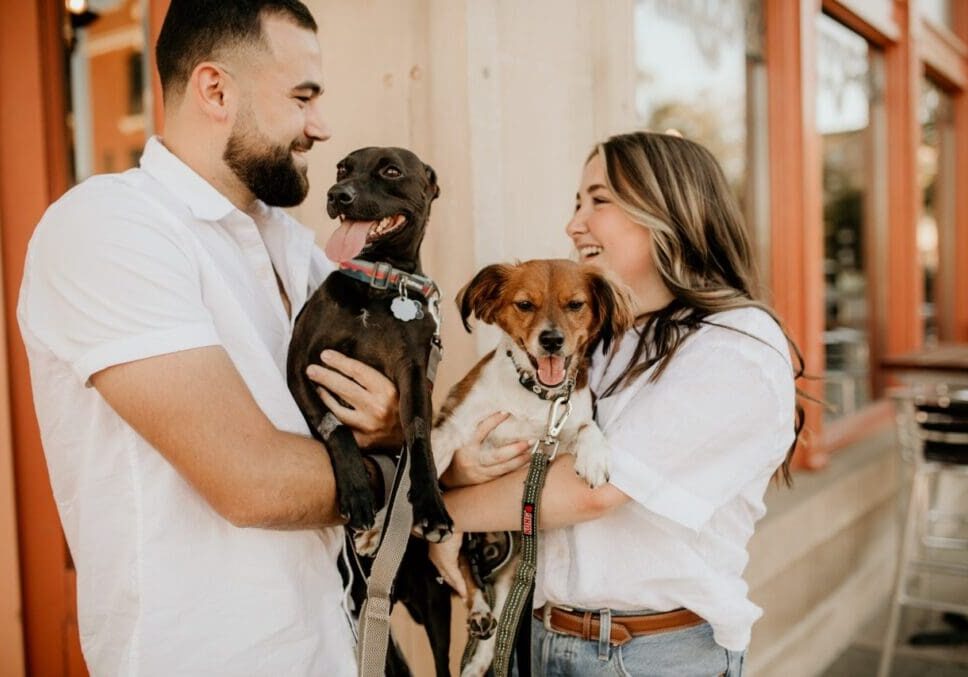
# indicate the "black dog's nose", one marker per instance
pixel 551 340
pixel 341 196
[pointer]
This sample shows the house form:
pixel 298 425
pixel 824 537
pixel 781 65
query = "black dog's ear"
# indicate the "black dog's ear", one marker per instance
pixel 481 295
pixel 432 178
pixel 613 307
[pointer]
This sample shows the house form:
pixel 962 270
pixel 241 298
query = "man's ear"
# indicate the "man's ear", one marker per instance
pixel 612 302
pixel 482 295
pixel 210 87
pixel 432 180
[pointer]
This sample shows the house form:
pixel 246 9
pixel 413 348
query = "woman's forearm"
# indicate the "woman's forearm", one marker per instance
pixel 566 499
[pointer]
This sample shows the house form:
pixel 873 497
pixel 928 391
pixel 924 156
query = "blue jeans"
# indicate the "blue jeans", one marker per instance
pixel 690 652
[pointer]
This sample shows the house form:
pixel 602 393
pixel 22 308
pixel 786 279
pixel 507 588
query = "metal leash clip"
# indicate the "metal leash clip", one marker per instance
pixel 557 415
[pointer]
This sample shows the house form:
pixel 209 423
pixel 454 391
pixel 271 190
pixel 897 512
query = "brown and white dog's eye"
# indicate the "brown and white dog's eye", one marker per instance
pixel 524 306
pixel 575 306
pixel 392 172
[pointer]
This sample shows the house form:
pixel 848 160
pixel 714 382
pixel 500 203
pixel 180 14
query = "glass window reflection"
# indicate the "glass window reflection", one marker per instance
pixel 937 11
pixel 691 60
pixel 843 120
pixel 935 176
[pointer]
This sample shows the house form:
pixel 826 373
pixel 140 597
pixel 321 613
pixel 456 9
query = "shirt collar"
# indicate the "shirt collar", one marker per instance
pixel 201 197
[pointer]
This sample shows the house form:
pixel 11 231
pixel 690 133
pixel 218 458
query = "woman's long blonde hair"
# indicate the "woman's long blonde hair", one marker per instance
pixel 700 246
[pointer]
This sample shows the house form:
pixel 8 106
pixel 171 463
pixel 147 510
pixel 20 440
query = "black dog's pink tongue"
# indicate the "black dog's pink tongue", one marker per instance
pixel 551 370
pixel 348 240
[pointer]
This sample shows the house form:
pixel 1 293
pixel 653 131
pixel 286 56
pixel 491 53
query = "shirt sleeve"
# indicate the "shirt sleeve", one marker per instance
pixel 718 418
pixel 108 281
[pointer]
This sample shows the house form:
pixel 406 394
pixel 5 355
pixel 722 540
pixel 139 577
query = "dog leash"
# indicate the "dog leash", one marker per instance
pixel 374 630
pixel 542 453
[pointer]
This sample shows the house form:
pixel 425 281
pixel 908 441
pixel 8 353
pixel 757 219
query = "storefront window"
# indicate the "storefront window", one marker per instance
pixel 108 124
pixel 691 57
pixel 935 175
pixel 938 11
pixel 843 120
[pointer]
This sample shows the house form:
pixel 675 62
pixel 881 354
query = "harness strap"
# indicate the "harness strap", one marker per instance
pixel 374 628
pixel 381 275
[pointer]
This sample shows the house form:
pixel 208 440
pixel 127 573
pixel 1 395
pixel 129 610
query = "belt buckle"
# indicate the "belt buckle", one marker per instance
pixel 546 617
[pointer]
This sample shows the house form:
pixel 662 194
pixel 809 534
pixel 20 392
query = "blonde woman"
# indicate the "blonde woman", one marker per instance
pixel 643 576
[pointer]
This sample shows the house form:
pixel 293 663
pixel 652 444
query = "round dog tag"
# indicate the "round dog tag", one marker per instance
pixel 405 309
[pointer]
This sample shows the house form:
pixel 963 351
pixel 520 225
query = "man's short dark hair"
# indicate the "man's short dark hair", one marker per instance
pixel 196 30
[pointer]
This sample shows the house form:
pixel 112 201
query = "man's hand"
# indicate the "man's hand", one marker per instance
pixel 445 557
pixel 373 413
pixel 472 465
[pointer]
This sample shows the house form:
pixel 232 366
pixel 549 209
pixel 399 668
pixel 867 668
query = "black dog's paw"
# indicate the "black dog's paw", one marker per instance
pixel 356 507
pixel 430 519
pixel 436 532
pixel 481 625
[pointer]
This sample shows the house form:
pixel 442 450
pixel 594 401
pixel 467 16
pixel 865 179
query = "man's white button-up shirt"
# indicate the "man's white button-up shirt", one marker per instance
pixel 139 264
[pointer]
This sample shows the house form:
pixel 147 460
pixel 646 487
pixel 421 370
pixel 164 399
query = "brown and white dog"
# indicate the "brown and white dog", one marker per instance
pixel 551 312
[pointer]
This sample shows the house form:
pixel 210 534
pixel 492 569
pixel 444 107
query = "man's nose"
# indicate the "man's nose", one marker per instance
pixel 551 340
pixel 316 126
pixel 341 196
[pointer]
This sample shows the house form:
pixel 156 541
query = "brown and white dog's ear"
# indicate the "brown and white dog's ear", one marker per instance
pixel 482 295
pixel 613 307
pixel 434 188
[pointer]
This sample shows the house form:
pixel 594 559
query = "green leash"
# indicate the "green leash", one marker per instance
pixel 542 453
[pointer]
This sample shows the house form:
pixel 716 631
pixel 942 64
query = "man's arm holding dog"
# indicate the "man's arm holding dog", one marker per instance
pixel 196 410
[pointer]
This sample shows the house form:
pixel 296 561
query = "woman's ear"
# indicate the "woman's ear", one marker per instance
pixel 613 307
pixel 482 295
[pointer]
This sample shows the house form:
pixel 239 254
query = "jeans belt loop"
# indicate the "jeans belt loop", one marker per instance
pixel 546 617
pixel 604 634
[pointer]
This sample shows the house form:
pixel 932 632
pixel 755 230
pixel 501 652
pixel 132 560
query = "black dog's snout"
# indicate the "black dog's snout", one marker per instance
pixel 341 196
pixel 551 340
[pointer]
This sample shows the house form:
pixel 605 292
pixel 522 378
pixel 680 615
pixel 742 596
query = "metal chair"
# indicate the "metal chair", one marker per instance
pixel 933 436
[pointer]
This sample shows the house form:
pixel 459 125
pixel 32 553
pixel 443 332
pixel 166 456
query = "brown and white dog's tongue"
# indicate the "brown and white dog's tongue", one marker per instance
pixel 551 370
pixel 348 240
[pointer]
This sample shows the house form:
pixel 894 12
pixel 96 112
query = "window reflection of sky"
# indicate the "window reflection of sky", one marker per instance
pixel 691 62
pixel 842 78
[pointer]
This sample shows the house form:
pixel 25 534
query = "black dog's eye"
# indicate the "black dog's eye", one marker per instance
pixel 392 172
pixel 524 306
pixel 340 172
pixel 575 305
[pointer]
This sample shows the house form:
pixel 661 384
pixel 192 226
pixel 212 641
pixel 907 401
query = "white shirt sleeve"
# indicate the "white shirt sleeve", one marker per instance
pixel 108 281
pixel 719 417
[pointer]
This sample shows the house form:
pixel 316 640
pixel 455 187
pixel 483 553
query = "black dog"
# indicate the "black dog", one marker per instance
pixel 382 197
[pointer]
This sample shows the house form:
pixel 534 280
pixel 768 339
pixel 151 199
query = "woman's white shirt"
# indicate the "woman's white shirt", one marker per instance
pixel 695 451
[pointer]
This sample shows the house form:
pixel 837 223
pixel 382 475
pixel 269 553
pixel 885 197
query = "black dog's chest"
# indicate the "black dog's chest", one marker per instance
pixel 349 317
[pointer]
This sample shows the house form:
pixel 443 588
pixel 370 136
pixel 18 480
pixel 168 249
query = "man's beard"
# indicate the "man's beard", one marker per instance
pixel 267 170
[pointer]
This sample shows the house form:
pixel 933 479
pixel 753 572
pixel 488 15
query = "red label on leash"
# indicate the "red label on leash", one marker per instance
pixel 527 521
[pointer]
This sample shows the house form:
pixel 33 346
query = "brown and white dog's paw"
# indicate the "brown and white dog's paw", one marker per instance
pixel 367 542
pixel 481 624
pixel 592 466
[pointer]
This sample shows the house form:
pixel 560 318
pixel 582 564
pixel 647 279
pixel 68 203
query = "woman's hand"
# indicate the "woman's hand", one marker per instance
pixel 472 465
pixel 445 557
pixel 373 413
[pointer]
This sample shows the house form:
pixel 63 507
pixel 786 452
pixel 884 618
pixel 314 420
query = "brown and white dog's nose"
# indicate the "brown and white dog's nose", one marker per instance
pixel 341 196
pixel 551 340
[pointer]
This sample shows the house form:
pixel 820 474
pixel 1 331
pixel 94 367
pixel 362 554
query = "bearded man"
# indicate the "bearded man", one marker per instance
pixel 156 308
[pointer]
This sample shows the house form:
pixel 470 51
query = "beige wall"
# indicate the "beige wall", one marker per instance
pixel 504 99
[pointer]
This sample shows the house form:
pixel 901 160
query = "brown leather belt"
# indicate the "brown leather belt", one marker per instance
pixel 586 624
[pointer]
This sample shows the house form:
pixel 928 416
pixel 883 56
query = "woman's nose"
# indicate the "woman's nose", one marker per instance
pixel 576 226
